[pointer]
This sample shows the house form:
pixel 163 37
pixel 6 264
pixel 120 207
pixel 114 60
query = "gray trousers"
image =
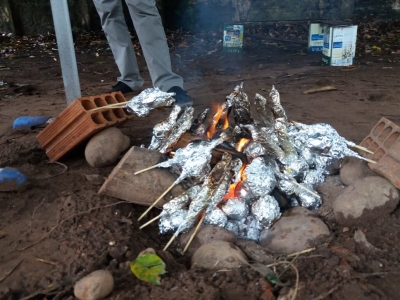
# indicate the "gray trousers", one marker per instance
pixel 148 26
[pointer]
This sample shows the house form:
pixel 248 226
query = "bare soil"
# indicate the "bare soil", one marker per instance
pixel 58 228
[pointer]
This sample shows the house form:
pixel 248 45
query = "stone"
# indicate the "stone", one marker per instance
pixel 204 235
pixel 354 169
pixel 298 229
pixel 255 252
pixel 95 179
pixel 366 200
pixel 97 285
pixel 104 148
pixel 217 255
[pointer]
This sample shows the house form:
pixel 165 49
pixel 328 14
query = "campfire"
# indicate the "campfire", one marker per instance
pixel 234 169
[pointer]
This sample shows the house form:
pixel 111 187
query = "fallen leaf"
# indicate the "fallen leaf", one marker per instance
pixel 148 267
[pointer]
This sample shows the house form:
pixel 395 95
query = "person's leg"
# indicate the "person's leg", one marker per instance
pixel 117 33
pixel 148 26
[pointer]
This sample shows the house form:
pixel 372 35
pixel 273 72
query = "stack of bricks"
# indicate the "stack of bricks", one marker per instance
pixel 384 141
pixel 79 121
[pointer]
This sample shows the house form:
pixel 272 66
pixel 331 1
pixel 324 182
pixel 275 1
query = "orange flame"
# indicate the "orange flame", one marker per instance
pixel 212 129
pixel 242 143
pixel 234 187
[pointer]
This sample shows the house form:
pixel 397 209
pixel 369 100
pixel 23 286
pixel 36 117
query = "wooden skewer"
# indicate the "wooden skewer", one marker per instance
pixel 149 222
pixel 304 188
pixel 370 160
pixel 144 170
pixel 170 242
pixel 115 105
pixel 158 199
pixel 363 149
pixel 195 232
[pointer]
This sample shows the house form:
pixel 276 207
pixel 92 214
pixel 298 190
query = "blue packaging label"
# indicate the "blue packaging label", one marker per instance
pixel 317 37
pixel 326 45
pixel 337 45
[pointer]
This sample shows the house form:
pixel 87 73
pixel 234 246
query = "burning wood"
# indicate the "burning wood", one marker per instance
pixel 255 160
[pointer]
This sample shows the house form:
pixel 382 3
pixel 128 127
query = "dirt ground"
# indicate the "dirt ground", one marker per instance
pixel 59 229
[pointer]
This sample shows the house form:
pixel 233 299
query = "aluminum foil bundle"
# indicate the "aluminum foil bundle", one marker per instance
pixel 265 140
pixel 295 166
pixel 329 165
pixel 277 108
pixel 149 99
pixel 264 111
pixel 162 130
pixel 266 210
pixel 216 217
pixel 180 201
pixel 241 105
pixel 314 176
pixel 235 209
pixel 260 178
pixel 286 186
pixel 170 223
pixel 307 199
pixel 253 150
pixel 179 128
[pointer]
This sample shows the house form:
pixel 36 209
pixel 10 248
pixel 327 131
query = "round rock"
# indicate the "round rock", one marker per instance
pixel 298 229
pixel 354 169
pixel 104 148
pixel 97 285
pixel 204 235
pixel 217 255
pixel 366 200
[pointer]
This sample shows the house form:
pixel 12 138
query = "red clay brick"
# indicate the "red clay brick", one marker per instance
pixel 78 122
pixel 384 141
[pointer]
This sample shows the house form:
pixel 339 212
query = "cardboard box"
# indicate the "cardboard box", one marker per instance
pixel 233 38
pixel 339 45
pixel 316 37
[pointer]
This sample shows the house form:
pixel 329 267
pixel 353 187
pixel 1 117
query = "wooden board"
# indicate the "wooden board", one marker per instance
pixel 143 188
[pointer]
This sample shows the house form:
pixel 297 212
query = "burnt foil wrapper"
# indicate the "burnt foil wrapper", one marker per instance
pixel 241 105
pixel 235 209
pixel 264 111
pixel 180 201
pixel 149 99
pixel 269 132
pixel 307 199
pixel 260 178
pixel 295 165
pixel 314 177
pixel 266 210
pixel 276 104
pixel 253 150
pixel 216 217
pixel 162 130
pixel 237 166
pixel 180 127
pixel 170 223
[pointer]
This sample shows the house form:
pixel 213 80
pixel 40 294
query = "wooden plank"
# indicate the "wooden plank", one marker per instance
pixel 143 188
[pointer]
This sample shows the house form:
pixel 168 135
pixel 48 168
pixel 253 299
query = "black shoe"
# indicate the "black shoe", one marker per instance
pixel 181 98
pixel 121 87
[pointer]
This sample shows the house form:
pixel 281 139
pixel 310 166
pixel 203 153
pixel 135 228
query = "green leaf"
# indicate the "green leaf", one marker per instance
pixel 272 278
pixel 147 267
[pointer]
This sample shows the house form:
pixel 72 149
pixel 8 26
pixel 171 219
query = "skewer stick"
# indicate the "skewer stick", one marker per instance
pixel 304 188
pixel 195 232
pixel 144 170
pixel 149 222
pixel 158 199
pixel 363 149
pixel 170 242
pixel 114 105
pixel 370 160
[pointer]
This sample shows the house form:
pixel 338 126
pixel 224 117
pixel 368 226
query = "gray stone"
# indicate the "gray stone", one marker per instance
pixel 366 200
pixel 206 234
pixel 104 148
pixel 298 229
pixel 217 255
pixel 97 285
pixel 354 169
pixel 255 252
